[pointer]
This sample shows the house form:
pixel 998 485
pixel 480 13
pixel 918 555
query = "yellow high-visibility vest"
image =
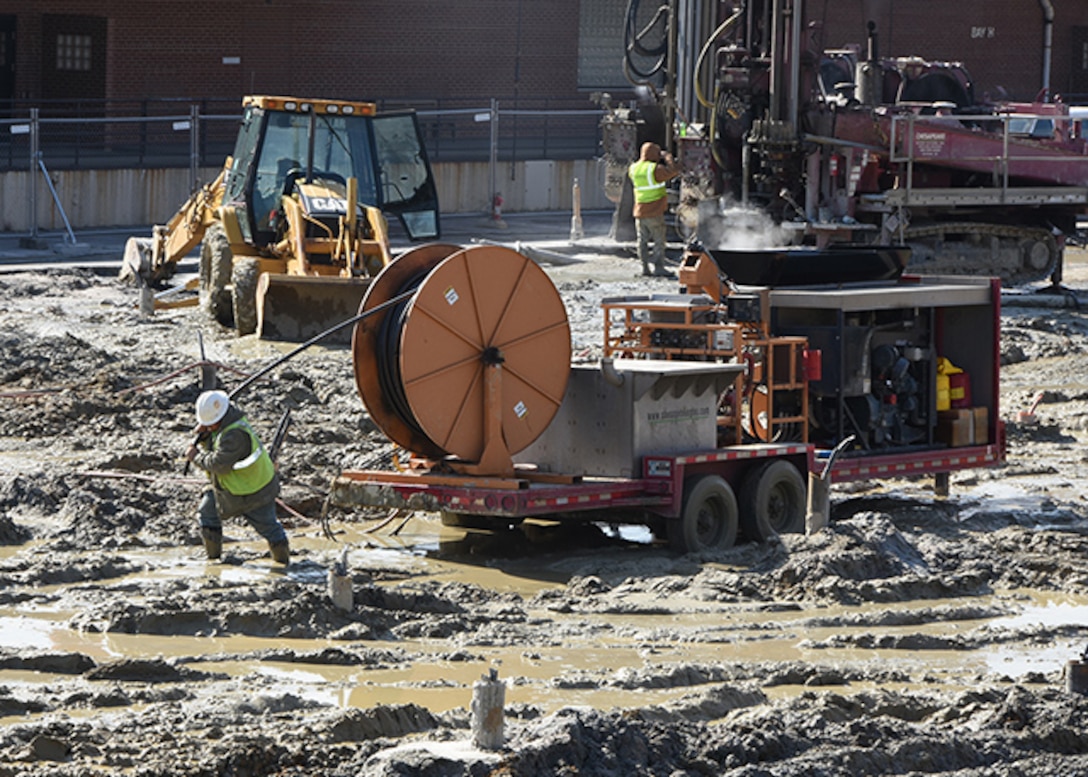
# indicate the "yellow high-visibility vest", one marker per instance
pixel 252 473
pixel 647 187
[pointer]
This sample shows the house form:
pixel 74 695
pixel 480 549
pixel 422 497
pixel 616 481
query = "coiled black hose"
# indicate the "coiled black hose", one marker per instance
pixel 633 39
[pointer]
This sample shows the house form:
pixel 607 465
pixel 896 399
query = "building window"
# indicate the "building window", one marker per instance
pixel 74 52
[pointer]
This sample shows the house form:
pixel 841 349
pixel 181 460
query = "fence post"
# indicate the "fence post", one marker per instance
pixel 32 171
pixel 194 146
pixel 33 240
pixel 493 160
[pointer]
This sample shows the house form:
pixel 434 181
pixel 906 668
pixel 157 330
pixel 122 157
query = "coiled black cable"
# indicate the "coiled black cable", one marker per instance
pixel 387 354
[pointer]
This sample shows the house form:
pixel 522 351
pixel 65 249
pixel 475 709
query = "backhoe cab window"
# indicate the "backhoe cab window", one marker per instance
pixel 341 150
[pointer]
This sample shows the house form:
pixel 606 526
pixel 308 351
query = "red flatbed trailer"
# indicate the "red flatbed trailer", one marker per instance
pixel 664 492
pixel 639 440
pixel 660 492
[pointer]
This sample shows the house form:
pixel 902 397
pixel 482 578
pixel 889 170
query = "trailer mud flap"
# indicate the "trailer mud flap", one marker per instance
pixel 295 308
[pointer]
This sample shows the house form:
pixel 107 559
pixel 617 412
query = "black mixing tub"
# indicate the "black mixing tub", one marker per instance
pixel 801 266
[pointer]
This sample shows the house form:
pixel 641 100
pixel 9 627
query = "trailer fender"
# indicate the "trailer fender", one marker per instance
pixel 708 518
pixel 772 501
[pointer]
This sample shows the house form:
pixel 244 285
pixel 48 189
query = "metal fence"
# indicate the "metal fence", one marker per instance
pixel 200 133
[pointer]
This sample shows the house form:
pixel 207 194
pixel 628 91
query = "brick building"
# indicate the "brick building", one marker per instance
pixel 121 57
pixel 440 49
pixel 1003 45
pixel 125 49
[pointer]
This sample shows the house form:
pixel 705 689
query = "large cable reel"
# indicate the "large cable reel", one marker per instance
pixel 473 365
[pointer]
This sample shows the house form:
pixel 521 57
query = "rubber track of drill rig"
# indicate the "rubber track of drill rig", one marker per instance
pixel 1011 237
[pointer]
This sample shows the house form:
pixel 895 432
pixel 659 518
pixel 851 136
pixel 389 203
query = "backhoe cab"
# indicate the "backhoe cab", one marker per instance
pixel 294 226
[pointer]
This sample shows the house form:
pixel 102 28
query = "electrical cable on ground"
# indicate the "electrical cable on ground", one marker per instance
pixel 316 339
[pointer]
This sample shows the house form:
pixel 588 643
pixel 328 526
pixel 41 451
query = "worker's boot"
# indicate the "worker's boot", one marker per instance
pixel 213 542
pixel 281 552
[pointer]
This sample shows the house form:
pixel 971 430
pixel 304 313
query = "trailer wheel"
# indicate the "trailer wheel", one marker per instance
pixel 244 296
pixel 708 520
pixel 215 270
pixel 772 501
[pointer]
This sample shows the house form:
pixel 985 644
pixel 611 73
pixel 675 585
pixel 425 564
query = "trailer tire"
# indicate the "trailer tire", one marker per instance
pixel 216 262
pixel 772 501
pixel 709 517
pixel 243 279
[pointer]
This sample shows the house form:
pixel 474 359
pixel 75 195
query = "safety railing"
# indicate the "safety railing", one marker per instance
pixel 1003 146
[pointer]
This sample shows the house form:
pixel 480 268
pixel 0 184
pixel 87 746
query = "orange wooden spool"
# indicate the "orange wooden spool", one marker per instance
pixel 483 357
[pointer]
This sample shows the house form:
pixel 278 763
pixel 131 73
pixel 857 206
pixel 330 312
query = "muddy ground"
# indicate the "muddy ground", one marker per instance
pixel 916 635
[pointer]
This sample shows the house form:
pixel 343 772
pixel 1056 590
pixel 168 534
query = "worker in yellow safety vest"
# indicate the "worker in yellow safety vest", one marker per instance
pixel 648 176
pixel 242 476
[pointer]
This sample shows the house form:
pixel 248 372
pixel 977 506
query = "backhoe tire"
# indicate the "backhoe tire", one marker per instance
pixel 773 501
pixel 708 519
pixel 244 296
pixel 215 270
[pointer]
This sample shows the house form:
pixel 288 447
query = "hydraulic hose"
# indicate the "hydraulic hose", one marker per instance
pixel 700 95
pixel 633 39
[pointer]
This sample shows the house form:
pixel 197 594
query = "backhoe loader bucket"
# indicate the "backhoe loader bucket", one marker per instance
pixel 294 308
pixel 136 262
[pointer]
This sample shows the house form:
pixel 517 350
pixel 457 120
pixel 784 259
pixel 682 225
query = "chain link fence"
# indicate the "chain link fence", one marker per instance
pixel 162 133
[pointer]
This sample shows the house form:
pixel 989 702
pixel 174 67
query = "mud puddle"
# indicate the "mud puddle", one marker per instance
pixel 573 639
pixel 915 635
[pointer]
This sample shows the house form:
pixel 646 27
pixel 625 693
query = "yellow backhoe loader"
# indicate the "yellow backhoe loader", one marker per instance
pixel 294 226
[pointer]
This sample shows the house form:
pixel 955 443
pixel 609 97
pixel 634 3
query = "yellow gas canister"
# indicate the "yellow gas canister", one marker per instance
pixel 953 385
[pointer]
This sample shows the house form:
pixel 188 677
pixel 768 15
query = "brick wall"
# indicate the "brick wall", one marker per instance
pixel 383 49
pixel 481 48
pixel 1001 44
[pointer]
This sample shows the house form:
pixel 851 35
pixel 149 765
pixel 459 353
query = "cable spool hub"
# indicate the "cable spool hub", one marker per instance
pixel 477 357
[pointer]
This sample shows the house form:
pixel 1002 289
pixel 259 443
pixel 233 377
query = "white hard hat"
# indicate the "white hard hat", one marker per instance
pixel 211 406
